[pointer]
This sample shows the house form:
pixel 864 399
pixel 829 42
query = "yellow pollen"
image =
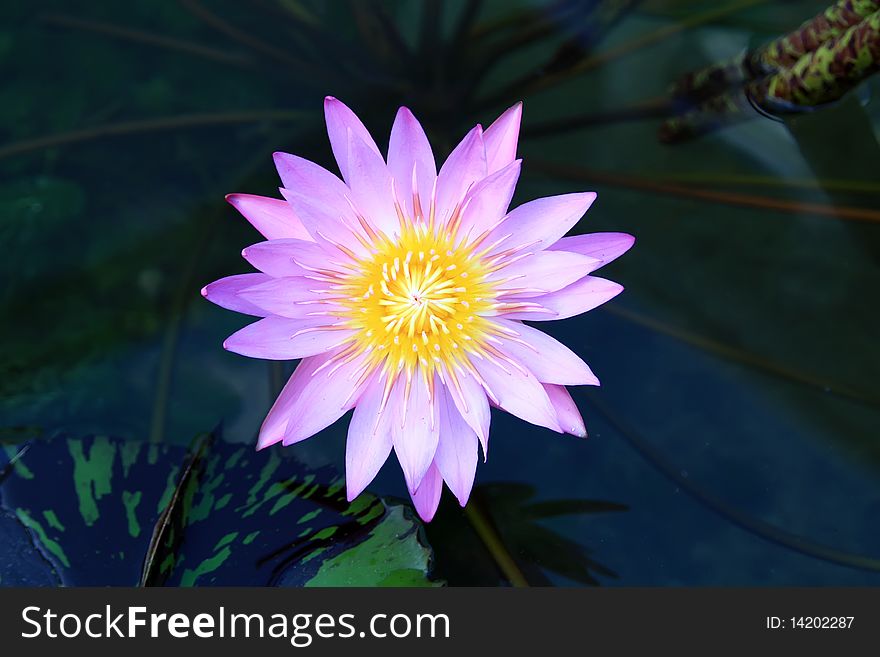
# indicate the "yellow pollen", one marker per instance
pixel 418 299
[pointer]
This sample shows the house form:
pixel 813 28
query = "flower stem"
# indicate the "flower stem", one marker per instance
pixel 750 524
pixel 147 38
pixel 145 126
pixel 538 81
pixel 482 524
pixel 745 357
pixel 572 172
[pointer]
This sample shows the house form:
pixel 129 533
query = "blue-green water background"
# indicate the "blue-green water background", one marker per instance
pixel 719 468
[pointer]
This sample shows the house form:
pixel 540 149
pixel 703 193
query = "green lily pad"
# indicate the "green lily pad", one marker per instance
pixel 104 511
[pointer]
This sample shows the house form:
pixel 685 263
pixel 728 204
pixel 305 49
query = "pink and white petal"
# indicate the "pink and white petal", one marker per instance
pixel 408 152
pixel 488 200
pixel 340 120
pixel 415 428
pixel 272 429
pixel 333 228
pixel 604 246
pixel 536 225
pixel 279 338
pixel 501 139
pixel 324 398
pixel 457 450
pixel 566 410
pixel 517 392
pixel 542 272
pixel 471 402
pixel 311 180
pixel 464 167
pixel 314 397
pixel 293 297
pixel 291 257
pixel 369 438
pixel 273 217
pixel 225 293
pixel 579 297
pixel 426 498
pixel 547 358
pixel 370 184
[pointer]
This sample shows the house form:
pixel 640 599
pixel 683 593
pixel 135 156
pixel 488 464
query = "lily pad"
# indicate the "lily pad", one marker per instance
pixel 105 511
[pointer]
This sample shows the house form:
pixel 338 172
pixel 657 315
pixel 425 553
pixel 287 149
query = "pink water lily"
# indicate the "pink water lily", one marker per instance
pixel 404 290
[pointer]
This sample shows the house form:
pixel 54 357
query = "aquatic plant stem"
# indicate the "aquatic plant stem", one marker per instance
pixel 538 81
pixel 743 357
pixel 482 524
pixel 650 108
pixel 583 174
pixel 746 180
pixel 231 31
pixel 146 126
pixel 147 38
pixel 742 520
pixel 182 297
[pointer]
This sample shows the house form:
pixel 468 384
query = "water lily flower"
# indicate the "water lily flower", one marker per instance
pixel 404 290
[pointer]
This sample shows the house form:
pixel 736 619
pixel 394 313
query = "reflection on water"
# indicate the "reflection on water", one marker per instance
pixel 734 438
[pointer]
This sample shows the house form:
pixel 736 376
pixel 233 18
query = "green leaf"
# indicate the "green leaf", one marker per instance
pixel 104 511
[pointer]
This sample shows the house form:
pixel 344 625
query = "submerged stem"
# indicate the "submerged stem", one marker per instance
pixel 572 172
pixel 148 38
pixel 534 82
pixel 744 521
pixel 744 357
pixel 482 524
pixel 145 126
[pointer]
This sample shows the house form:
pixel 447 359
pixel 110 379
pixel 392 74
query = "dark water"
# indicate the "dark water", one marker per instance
pixel 734 440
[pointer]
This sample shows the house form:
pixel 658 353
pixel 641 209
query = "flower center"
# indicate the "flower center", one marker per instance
pixel 418 299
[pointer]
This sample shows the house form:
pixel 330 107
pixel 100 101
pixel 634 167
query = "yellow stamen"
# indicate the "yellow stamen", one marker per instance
pixel 419 299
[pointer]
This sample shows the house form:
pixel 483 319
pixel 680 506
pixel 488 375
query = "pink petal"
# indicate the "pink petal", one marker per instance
pixel 488 200
pixel 415 428
pixel 426 498
pixel 409 150
pixel 369 439
pixel 287 257
pixel 310 401
pixel 536 225
pixel 293 297
pixel 471 402
pixel 323 400
pixel 272 429
pixel 370 184
pixel 319 199
pixel 311 180
pixel 273 217
pixel 278 338
pixel 340 120
pixel 577 298
pixel 328 224
pixel 566 410
pixel 464 167
pixel 548 359
pixel 517 392
pixel 604 246
pixel 456 456
pixel 224 293
pixel 544 271
pixel 501 138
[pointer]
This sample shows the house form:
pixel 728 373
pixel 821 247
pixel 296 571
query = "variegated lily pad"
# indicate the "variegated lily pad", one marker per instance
pixel 102 511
